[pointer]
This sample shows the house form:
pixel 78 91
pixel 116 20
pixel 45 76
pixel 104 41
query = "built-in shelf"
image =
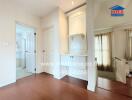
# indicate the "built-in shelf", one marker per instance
pixel 75 55
pixel 77 34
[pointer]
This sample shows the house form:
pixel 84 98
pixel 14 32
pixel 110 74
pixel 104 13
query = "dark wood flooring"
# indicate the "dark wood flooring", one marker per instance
pixel 74 81
pixel 129 82
pixel 45 87
pixel 105 85
pixel 116 87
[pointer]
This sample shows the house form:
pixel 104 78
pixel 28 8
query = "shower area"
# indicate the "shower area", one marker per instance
pixel 25 51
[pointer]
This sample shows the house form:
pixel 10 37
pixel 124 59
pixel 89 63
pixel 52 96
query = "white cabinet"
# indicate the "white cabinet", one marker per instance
pixel 130 65
pixel 78 62
pixel 78 67
pixel 65 62
pixel 75 66
pixel 74 62
pixel 77 21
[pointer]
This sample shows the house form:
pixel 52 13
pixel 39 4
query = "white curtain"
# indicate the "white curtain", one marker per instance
pixel 103 51
pixel 118 43
pixel 128 52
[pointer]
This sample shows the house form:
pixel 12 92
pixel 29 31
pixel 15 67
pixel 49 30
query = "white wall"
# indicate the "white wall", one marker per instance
pixel 104 18
pixel 9 14
pixel 63 24
pixel 63 27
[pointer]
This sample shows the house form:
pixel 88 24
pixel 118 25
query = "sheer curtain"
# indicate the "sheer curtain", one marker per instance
pixel 103 50
pixel 128 54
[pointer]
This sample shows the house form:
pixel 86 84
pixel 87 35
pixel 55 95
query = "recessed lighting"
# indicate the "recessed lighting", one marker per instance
pixel 72 2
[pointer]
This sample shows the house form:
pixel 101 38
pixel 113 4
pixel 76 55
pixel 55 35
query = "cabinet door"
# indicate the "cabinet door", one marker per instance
pixel 78 63
pixel 78 67
pixel 77 23
pixel 65 60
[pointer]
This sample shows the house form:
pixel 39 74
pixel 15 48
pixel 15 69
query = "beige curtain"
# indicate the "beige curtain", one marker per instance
pixel 118 43
pixel 128 51
pixel 103 51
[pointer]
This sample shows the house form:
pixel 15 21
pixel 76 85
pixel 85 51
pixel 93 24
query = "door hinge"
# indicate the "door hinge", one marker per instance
pixel 34 51
pixel 34 33
pixel 35 69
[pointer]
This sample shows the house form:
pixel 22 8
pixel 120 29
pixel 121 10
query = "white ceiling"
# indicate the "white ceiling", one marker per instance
pixel 111 3
pixel 66 5
pixel 43 7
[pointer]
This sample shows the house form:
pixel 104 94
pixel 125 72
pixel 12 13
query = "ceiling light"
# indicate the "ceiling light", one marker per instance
pixel 72 2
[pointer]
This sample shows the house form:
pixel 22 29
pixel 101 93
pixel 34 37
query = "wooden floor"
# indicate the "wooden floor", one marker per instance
pixel 116 87
pixel 45 87
pixel 105 86
pixel 129 82
pixel 78 82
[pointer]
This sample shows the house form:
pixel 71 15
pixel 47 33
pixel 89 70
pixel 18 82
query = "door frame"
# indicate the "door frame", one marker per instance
pixel 35 42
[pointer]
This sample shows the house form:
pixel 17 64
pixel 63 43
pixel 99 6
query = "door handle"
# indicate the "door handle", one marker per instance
pixel 43 51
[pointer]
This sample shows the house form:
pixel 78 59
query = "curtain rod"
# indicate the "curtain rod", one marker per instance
pixel 125 26
pixel 101 29
pixel 76 8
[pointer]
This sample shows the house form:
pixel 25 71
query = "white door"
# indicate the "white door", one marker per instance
pixel 30 52
pixel 49 52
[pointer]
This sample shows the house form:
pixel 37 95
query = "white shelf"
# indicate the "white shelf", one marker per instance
pixel 79 55
pixel 77 34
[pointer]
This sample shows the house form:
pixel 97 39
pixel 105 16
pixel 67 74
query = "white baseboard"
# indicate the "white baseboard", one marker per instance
pixel 6 84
